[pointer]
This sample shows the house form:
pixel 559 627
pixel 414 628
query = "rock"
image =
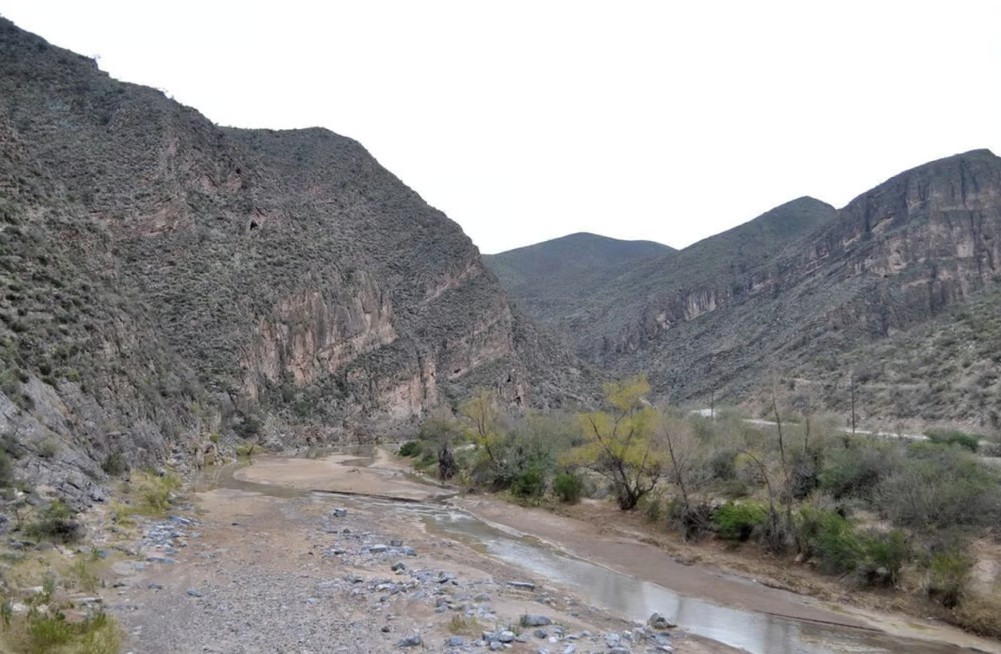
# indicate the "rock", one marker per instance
pixel 657 621
pixel 505 636
pixel 411 641
pixel 527 585
pixel 534 620
pixel 541 633
pixel 569 649
pixel 378 549
pixel 619 650
pixel 385 629
pixel 398 567
pixel 156 587
pixel 455 641
pixel 409 551
pixel 495 645
pixel 395 542
pixel 340 513
pixel 194 593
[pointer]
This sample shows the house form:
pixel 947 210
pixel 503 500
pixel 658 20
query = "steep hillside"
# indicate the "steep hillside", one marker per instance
pixel 811 296
pixel 163 279
pixel 895 258
pixel 623 307
pixel 555 279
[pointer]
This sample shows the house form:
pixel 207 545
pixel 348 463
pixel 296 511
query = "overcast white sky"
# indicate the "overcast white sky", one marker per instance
pixel 527 120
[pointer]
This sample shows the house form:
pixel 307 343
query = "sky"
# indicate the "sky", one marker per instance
pixel 528 120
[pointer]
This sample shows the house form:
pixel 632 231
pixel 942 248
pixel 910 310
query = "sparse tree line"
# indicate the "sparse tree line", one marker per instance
pixel 875 512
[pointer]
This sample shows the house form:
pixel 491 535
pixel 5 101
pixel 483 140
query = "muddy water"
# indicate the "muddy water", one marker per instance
pixel 754 631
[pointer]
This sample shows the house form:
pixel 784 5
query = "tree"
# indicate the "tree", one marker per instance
pixel 620 444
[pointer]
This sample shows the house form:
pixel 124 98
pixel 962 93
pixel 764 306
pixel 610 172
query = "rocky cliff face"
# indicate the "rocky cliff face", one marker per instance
pixel 164 279
pixel 896 258
pixel 799 291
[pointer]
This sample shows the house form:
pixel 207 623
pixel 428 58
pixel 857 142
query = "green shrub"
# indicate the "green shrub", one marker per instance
pixel 970 442
pixel 885 554
pixel 55 523
pixel 738 521
pixel 114 464
pixel 941 489
pixel 854 471
pixel 568 487
pixel 948 570
pixel 829 539
pixel 410 449
pixel 529 483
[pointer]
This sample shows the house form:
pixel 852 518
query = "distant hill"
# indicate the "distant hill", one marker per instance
pixel 806 293
pixel 551 279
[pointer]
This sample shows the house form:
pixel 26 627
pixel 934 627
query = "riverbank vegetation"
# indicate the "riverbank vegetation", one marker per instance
pixel 885 513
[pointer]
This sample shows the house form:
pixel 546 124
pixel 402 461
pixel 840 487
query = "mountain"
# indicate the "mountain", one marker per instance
pixel 553 280
pixel 802 292
pixel 164 280
pixel 618 309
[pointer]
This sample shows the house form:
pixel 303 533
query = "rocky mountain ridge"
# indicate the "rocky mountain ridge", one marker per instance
pixel 164 280
pixel 719 317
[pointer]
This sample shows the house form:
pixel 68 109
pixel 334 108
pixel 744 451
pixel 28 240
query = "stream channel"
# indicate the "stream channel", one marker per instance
pixel 758 632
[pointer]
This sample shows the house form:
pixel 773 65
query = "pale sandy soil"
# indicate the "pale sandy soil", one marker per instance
pixel 262 573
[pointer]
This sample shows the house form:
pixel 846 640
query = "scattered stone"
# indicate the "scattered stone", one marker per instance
pixel 398 567
pixel 505 636
pixel 455 641
pixel 541 633
pixel 194 593
pixel 157 587
pixel 569 649
pixel 527 585
pixel 409 551
pixel 657 621
pixel 386 629
pixel 378 549
pixel 411 641
pixel 395 542
pixel 533 620
pixel 340 513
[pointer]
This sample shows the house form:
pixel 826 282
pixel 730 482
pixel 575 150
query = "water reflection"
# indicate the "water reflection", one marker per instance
pixel 755 632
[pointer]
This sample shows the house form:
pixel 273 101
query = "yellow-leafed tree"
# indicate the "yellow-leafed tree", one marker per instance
pixel 621 443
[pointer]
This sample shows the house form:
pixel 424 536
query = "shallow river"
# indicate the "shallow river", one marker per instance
pixel 633 598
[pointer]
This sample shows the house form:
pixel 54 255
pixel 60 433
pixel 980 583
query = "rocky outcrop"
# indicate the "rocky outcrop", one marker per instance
pixel 164 279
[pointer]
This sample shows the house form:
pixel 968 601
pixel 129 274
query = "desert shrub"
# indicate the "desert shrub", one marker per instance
pixel 530 482
pixel 155 493
pixel 940 489
pixel 410 449
pixel 568 487
pixel 6 471
pixel 981 615
pixel 885 553
pixel 947 572
pixel 803 474
pixel 829 539
pixel 694 520
pixel 970 442
pixel 56 523
pixel 854 471
pixel 114 464
pixel 738 521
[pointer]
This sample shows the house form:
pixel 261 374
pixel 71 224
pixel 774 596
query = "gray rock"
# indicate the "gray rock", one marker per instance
pixel 395 542
pixel 194 593
pixel 657 621
pixel 408 551
pixel 505 636
pixel 541 633
pixel 535 620
pixel 378 549
pixel 521 584
pixel 340 513
pixel 155 587
pixel 411 641
pixel 569 649
pixel 455 641
pixel 398 567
